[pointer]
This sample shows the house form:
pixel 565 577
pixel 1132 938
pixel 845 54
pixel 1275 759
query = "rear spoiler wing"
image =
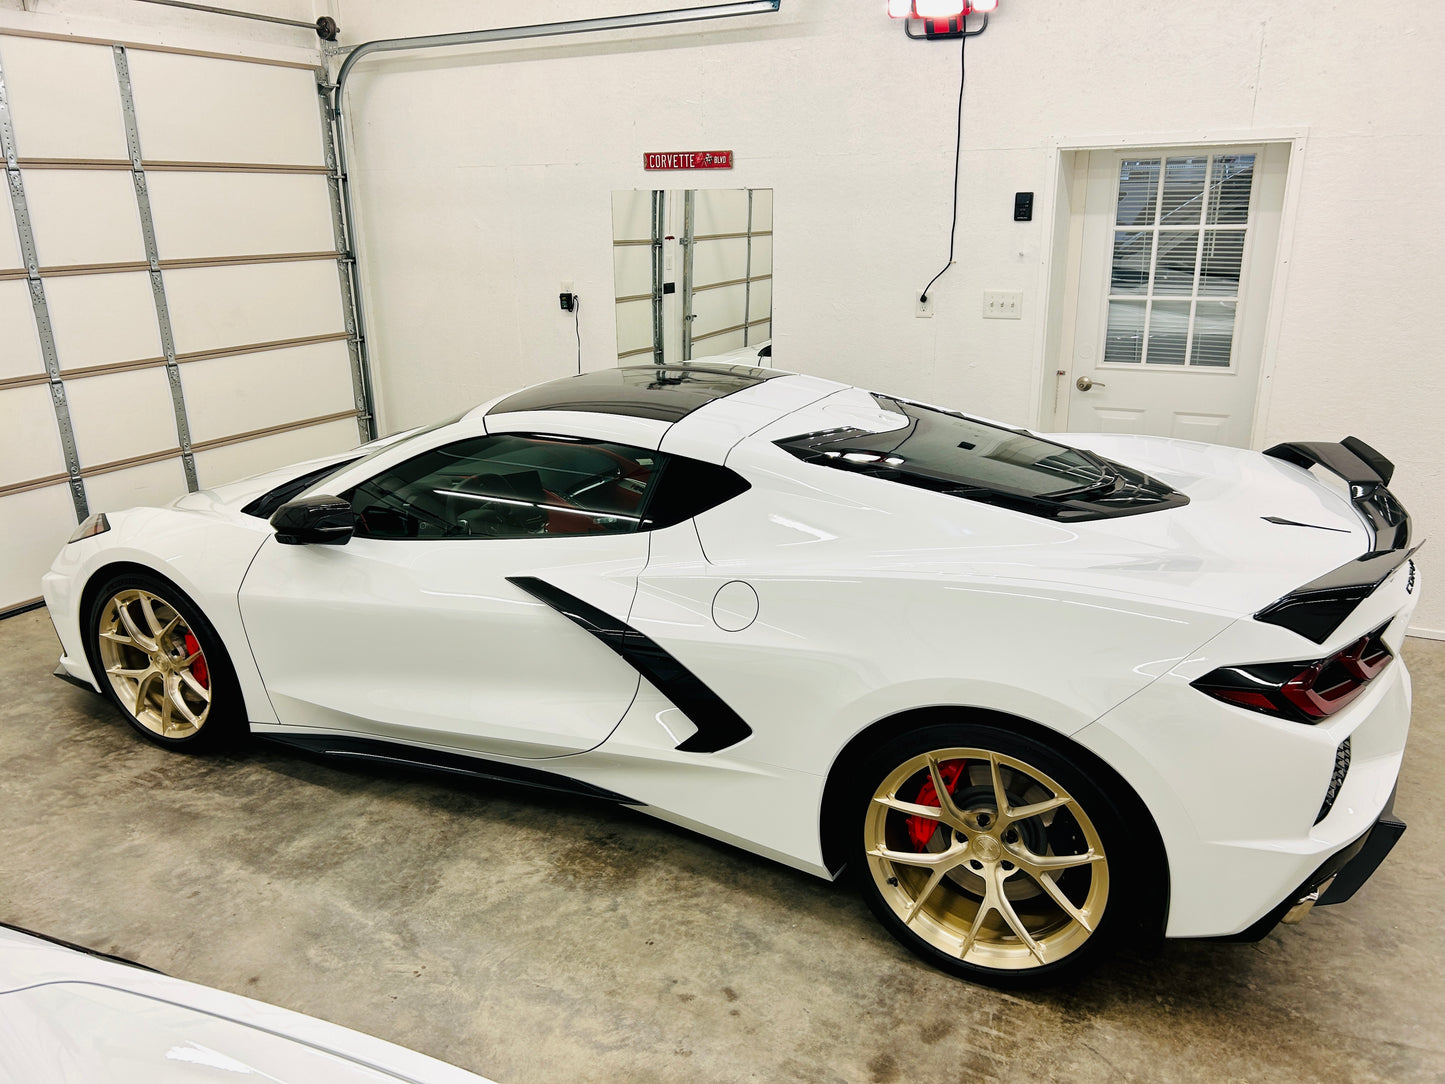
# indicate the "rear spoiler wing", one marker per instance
pixel 1352 459
pixel 1318 608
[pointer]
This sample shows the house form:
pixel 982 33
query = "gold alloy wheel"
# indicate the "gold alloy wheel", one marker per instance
pixel 155 663
pixel 986 858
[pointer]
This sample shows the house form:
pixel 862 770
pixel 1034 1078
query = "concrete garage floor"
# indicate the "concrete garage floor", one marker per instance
pixel 534 939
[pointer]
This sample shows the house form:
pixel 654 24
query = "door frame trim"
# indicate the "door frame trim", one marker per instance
pixel 1056 277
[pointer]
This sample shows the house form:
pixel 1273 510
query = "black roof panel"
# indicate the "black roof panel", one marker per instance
pixel 667 393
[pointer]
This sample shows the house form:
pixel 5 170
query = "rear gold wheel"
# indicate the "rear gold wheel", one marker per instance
pixel 988 855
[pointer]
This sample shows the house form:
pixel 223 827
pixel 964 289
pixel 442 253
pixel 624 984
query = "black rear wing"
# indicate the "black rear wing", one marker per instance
pixel 1368 473
pixel 1318 608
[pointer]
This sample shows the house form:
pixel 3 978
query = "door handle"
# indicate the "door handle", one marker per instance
pixel 1084 383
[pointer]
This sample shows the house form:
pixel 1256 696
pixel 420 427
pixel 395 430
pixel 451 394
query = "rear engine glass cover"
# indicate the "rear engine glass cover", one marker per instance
pixel 960 456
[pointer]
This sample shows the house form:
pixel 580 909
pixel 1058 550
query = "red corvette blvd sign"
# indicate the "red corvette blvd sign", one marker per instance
pixel 688 160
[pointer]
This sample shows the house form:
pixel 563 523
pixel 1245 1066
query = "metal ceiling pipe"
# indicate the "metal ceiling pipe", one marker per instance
pixel 325 27
pixel 476 37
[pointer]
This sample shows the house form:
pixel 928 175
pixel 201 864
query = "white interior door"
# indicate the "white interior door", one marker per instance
pixel 1176 257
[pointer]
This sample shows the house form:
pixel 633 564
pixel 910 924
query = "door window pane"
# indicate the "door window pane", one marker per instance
pixel 1183 191
pixel 1220 263
pixel 1178 252
pixel 1138 190
pixel 1130 273
pixel 1124 341
pixel 1213 333
pixel 1160 274
pixel 1229 188
pixel 1168 332
pixel 508 486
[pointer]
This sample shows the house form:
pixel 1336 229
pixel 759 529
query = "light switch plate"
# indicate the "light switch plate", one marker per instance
pixel 1003 304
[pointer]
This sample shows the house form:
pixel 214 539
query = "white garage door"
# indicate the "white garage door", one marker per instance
pixel 171 313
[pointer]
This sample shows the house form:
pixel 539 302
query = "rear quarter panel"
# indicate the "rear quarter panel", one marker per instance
pixel 860 618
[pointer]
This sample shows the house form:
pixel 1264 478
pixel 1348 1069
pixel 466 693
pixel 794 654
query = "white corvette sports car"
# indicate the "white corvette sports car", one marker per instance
pixel 1039 695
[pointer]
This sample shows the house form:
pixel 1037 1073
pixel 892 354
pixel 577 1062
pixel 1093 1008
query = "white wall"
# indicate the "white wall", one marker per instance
pixel 484 177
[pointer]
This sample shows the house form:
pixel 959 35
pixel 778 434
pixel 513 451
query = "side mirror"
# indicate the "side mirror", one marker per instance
pixel 319 520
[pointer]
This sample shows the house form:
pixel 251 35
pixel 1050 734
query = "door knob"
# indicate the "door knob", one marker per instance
pixel 1084 383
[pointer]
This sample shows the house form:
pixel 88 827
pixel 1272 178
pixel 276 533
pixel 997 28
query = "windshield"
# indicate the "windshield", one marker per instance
pixel 267 503
pixel 390 443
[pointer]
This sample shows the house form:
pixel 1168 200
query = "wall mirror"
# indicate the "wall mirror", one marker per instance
pixel 692 273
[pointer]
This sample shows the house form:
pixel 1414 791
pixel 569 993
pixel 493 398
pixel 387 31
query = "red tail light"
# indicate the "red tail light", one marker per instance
pixel 1304 691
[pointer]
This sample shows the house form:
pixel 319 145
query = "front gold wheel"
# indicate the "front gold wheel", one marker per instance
pixel 986 859
pixel 154 663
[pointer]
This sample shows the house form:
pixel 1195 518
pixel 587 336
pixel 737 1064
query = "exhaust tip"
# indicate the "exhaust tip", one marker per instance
pixel 1305 904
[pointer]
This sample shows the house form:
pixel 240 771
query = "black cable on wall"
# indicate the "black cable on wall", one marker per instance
pixel 577 326
pixel 957 154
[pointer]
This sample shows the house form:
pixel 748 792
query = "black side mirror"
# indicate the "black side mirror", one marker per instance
pixel 319 520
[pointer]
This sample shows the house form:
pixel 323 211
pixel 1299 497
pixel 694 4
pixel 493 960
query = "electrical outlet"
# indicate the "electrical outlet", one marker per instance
pixel 924 309
pixel 1003 304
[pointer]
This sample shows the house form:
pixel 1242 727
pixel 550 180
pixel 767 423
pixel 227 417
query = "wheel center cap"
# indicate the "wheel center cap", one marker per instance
pixel 987 848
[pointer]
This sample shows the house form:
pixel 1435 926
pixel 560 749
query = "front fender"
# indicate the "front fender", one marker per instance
pixel 204 548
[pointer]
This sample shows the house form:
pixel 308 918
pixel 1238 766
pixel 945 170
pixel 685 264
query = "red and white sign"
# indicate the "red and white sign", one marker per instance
pixel 688 160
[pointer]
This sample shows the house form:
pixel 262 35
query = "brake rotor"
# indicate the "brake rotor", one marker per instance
pixel 930 835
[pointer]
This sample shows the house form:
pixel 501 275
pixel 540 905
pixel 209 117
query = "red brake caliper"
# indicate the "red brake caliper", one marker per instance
pixel 201 674
pixel 921 829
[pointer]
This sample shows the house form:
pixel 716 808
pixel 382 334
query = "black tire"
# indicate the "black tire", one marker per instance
pixel 223 719
pixel 963 874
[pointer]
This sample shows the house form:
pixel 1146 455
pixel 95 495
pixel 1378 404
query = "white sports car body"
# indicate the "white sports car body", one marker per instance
pixel 1152 675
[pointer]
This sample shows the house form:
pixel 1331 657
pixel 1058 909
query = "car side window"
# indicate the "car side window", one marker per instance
pixel 508 485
